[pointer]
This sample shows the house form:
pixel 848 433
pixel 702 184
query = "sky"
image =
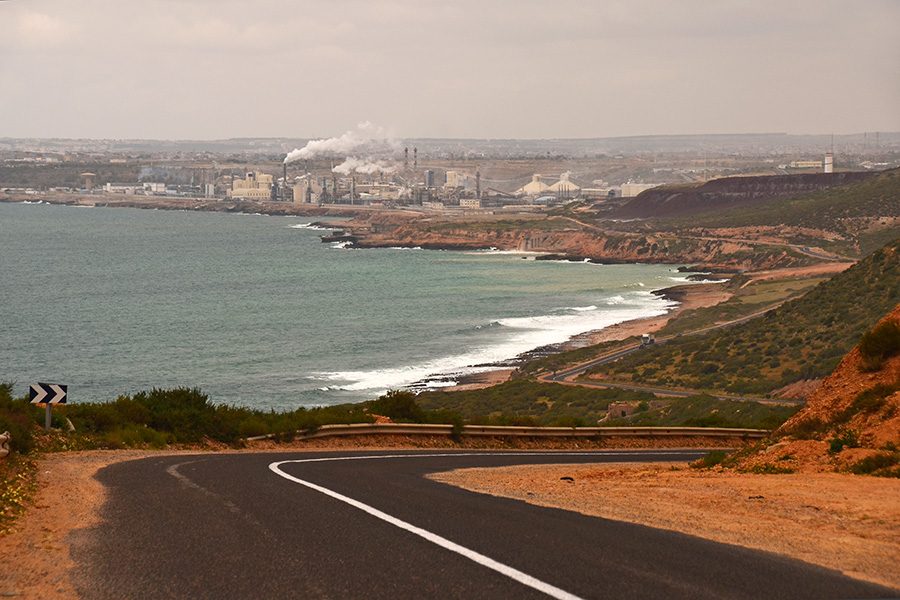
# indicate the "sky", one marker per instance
pixel 215 69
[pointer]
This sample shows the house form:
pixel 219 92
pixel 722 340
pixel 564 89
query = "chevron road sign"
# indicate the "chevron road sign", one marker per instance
pixel 50 393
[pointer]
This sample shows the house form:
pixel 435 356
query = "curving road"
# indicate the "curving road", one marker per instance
pixel 370 525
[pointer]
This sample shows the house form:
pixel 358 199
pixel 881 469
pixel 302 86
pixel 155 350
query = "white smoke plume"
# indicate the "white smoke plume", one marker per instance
pixel 367 166
pixel 366 134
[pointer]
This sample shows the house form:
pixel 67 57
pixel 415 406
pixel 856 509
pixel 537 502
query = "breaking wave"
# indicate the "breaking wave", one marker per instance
pixel 507 339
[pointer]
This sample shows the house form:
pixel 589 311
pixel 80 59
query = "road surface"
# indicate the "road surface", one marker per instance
pixel 370 525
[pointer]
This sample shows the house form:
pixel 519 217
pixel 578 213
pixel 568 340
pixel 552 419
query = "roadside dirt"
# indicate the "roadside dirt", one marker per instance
pixel 845 522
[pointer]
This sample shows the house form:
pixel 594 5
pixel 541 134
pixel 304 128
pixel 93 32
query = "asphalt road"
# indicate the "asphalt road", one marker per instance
pixel 369 525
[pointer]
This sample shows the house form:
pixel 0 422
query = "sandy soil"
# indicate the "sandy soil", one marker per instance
pixel 700 295
pixel 34 558
pixel 486 379
pixel 829 268
pixel 845 522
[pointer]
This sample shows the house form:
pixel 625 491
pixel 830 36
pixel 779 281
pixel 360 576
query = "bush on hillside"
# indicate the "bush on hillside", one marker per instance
pixel 19 418
pixel 879 344
pixel 397 406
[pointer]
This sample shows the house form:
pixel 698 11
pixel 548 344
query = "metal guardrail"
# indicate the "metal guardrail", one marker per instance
pixel 523 432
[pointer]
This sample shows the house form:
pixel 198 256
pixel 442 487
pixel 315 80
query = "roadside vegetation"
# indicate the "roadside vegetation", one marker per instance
pixel 707 411
pixel 804 339
pixel 532 403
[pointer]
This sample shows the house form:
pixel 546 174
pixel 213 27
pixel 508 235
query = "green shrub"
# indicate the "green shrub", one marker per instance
pixel 807 429
pixel 252 426
pixel 131 436
pixel 879 344
pixel 770 469
pixel 19 418
pixel 868 401
pixel 397 406
pixel 878 464
pixel 849 439
pixel 710 460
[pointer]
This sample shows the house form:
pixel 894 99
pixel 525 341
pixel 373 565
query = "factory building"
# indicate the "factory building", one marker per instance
pixel 806 164
pixel 256 186
pixel 453 180
pixel 631 189
pixel 306 190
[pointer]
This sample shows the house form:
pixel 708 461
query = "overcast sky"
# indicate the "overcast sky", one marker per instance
pixel 211 69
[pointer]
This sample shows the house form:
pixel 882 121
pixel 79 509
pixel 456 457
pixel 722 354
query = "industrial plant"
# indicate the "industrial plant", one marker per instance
pixel 366 168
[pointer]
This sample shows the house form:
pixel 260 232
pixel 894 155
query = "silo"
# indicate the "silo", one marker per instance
pixel 829 162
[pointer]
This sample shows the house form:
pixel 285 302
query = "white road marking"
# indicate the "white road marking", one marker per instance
pixel 515 574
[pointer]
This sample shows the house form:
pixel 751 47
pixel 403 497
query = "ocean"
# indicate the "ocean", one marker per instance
pixel 256 311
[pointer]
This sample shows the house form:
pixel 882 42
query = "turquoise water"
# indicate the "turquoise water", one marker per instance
pixel 257 311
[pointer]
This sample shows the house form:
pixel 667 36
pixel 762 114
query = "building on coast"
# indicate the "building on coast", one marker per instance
pixel 255 186
pixel 632 189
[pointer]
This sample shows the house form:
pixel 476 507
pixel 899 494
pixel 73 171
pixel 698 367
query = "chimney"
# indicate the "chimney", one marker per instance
pixel 478 182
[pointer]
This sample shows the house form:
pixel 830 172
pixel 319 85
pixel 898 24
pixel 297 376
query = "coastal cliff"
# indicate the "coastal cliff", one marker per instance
pixel 572 241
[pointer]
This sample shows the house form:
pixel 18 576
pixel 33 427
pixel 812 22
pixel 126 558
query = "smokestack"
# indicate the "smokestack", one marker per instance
pixel 478 182
pixel 284 184
pixel 415 158
pixel 406 158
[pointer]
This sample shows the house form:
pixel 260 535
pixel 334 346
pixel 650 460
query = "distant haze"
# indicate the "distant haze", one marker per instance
pixel 204 69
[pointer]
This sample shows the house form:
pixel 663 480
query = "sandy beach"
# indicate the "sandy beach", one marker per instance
pixel 691 296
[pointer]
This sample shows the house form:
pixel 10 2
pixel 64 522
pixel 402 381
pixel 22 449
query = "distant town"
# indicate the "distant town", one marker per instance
pixel 430 175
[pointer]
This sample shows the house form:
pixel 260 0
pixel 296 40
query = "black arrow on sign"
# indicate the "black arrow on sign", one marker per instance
pixel 50 393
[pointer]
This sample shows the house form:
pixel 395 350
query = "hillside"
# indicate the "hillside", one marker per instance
pixel 728 193
pixel 804 339
pixel 852 422
pixel 852 219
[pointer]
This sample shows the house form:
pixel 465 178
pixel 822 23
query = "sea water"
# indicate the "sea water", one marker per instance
pixel 256 311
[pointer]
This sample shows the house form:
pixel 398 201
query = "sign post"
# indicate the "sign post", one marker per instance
pixel 49 394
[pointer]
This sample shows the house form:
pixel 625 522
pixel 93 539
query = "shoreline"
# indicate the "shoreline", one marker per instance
pixel 688 297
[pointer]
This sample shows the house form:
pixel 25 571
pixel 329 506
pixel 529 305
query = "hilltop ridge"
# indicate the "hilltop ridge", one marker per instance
pixel 730 192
